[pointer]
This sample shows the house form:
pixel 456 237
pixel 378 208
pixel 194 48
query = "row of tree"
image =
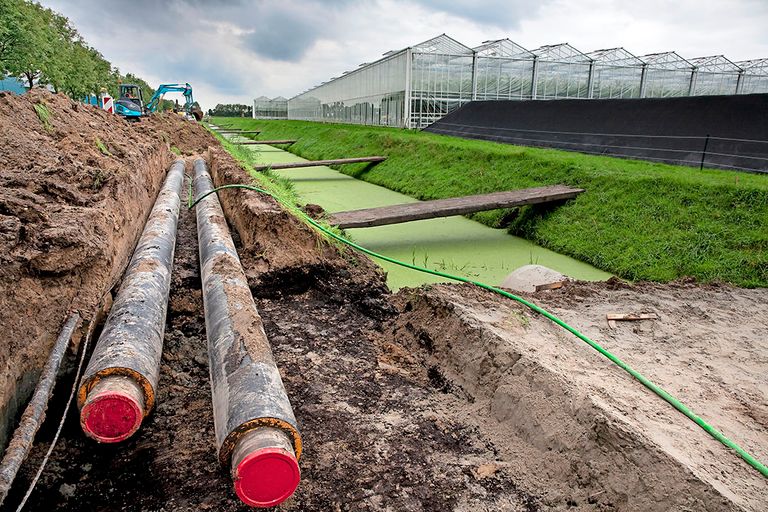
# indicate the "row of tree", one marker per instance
pixel 41 47
pixel 231 110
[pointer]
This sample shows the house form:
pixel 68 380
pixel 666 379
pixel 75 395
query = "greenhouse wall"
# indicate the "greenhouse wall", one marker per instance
pixel 504 79
pixel 372 94
pixel 416 86
pixel 274 108
pixel 754 79
pixel 441 77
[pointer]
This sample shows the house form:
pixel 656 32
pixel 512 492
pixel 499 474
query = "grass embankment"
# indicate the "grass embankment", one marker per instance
pixel 639 220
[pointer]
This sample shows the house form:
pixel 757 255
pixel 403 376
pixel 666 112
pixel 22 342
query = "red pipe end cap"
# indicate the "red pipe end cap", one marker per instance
pixel 111 417
pixel 267 477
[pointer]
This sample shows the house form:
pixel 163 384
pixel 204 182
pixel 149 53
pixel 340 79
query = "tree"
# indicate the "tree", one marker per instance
pixel 42 47
pixel 232 110
pixel 31 46
pixel 11 32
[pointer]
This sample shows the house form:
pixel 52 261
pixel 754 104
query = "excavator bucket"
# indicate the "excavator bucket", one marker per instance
pixel 197 112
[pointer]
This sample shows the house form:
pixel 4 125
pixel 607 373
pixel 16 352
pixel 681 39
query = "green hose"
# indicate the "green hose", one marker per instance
pixel 621 364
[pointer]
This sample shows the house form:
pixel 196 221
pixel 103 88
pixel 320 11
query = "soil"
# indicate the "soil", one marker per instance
pixel 439 398
pixel 76 184
pixel 559 412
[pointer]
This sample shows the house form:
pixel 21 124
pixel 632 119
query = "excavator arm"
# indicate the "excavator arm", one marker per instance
pixel 186 89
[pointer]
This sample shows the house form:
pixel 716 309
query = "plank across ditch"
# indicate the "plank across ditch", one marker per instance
pixel 421 210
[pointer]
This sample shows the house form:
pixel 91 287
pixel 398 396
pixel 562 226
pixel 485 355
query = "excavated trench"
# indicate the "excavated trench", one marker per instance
pixel 373 432
pixel 435 399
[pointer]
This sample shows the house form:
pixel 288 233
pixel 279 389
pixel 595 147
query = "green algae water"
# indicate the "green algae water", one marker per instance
pixel 455 245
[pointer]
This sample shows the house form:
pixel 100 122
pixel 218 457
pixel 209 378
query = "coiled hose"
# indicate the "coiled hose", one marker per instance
pixel 752 461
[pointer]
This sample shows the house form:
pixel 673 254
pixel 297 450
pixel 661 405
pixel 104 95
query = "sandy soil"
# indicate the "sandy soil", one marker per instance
pixel 561 413
pixel 440 398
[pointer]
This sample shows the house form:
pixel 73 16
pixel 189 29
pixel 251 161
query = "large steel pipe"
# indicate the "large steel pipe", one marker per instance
pixel 118 386
pixel 256 430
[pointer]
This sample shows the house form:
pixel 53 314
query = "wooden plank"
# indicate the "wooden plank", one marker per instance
pixel 318 163
pixel 252 142
pixel 628 317
pixel 398 213
pixel 631 316
pixel 549 286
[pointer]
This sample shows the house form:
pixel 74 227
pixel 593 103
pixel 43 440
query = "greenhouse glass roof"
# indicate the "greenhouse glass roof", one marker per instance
pixel 503 49
pixel 666 60
pixel 562 52
pixel 715 64
pixel 615 57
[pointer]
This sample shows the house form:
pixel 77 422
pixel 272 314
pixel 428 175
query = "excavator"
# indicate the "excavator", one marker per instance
pixel 131 104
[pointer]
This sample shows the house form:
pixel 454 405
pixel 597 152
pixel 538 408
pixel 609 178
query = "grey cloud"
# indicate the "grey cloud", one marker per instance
pixel 282 35
pixel 503 14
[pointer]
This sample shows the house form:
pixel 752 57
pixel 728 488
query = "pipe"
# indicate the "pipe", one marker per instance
pixel 256 431
pixel 34 414
pixel 118 387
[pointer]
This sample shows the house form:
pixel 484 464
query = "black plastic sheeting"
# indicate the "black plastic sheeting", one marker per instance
pixel 729 132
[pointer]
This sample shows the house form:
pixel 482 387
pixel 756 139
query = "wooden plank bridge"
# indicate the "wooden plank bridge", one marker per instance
pixel 421 210
pixel 318 163
pixel 253 142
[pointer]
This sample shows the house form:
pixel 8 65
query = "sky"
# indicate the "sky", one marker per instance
pixel 232 51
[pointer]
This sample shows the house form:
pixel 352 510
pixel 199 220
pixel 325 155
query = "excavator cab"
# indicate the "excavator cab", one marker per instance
pixel 130 103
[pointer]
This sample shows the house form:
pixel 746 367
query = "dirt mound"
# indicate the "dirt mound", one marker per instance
pixel 283 255
pixel 562 414
pixel 76 184
pixel 188 137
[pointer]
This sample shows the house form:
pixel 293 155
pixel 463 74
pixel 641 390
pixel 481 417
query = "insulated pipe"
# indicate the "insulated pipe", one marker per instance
pixel 256 431
pixel 118 386
pixel 34 414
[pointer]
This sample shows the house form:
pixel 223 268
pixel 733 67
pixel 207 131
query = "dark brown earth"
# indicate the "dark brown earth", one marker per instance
pixel 76 184
pixel 441 398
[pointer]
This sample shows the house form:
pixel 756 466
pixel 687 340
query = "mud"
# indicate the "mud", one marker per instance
pixel 439 398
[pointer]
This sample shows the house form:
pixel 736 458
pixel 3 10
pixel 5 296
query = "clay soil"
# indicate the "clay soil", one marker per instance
pixel 76 184
pixel 440 398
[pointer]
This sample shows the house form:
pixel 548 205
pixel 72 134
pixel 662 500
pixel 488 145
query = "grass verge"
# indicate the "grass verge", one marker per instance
pixel 638 220
pixel 275 184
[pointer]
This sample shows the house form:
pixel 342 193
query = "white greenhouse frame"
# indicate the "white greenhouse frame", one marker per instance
pixel 418 85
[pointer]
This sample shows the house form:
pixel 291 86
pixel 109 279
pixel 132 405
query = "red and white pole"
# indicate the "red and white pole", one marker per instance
pixel 107 103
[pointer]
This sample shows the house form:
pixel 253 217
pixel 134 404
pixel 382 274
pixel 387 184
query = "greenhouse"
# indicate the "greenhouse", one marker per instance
pixel 561 72
pixel 266 108
pixel 418 85
pixel 755 77
pixel 666 75
pixel 616 74
pixel 504 71
pixel 441 78
pixel 715 75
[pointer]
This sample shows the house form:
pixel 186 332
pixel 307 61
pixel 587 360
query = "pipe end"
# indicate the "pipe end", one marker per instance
pixel 266 477
pixel 111 417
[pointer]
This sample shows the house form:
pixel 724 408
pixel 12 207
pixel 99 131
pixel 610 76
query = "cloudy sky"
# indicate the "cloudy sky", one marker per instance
pixel 234 50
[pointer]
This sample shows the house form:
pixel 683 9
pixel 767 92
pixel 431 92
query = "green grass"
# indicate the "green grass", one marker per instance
pixel 102 147
pixel 638 220
pixel 44 115
pixel 272 182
